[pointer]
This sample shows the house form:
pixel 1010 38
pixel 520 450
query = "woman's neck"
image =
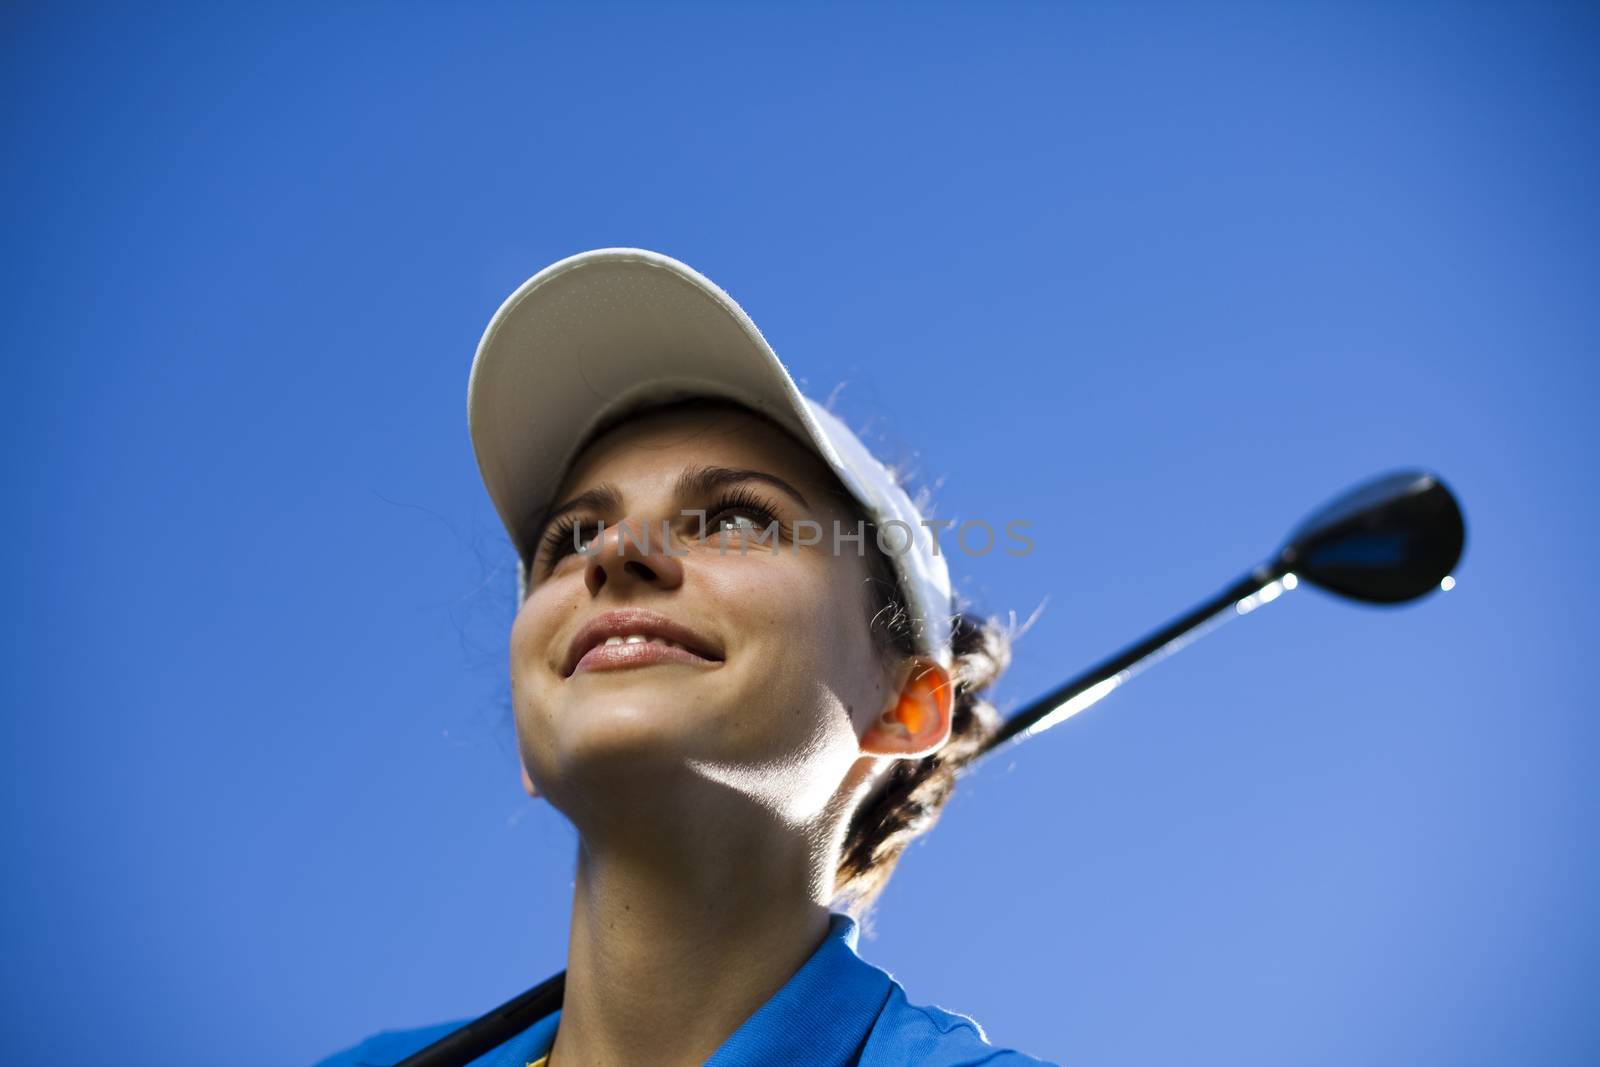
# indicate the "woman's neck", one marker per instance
pixel 673 948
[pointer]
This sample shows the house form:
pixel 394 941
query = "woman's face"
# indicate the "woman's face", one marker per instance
pixel 779 700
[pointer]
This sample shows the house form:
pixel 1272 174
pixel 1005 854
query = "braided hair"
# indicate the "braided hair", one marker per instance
pixel 907 804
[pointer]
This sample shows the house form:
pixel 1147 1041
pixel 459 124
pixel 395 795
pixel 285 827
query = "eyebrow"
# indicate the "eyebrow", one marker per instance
pixel 700 481
pixel 693 482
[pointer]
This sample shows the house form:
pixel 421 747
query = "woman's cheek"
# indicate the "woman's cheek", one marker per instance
pixel 533 630
pixel 773 597
pixel 764 606
pixel 533 669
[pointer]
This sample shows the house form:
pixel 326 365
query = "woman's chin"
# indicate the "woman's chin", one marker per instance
pixel 626 733
pixel 624 781
pixel 655 701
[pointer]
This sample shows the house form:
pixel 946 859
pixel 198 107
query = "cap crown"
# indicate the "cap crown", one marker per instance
pixel 613 329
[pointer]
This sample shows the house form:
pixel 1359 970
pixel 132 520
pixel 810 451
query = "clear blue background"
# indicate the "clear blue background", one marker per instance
pixel 1158 278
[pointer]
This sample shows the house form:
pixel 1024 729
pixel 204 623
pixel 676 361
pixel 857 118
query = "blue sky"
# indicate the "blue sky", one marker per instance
pixel 1158 278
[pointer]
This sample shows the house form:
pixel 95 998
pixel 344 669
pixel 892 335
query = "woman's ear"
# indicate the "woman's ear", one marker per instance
pixel 916 720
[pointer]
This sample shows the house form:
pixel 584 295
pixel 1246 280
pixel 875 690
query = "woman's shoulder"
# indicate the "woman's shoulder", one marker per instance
pixel 897 1034
pixel 904 1033
pixel 931 1036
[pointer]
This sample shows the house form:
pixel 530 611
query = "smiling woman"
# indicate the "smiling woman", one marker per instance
pixel 736 668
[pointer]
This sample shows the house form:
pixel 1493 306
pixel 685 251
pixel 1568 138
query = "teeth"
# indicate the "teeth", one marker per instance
pixel 640 639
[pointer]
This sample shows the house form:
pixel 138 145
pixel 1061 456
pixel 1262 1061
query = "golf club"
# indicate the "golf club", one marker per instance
pixel 1388 540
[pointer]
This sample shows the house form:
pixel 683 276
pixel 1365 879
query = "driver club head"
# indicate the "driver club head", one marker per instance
pixel 1385 541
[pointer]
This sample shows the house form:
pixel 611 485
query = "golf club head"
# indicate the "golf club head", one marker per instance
pixel 1386 541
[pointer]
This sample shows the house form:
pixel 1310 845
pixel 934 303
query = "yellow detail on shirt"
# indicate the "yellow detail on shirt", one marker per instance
pixel 540 1062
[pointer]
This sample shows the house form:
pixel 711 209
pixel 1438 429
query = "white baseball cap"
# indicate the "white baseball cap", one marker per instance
pixel 602 332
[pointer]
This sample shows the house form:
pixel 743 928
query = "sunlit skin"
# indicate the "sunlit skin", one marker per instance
pixel 710 799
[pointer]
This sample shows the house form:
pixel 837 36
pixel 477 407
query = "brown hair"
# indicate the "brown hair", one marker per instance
pixel 908 802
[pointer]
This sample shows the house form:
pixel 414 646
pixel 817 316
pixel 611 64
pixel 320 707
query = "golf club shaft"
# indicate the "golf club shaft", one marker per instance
pixel 494 1028
pixel 1258 587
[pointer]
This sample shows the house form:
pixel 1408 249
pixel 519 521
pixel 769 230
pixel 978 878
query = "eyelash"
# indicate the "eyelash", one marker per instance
pixel 557 542
pixel 742 500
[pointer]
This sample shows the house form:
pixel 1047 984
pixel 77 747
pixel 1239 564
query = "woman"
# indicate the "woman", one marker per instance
pixel 735 668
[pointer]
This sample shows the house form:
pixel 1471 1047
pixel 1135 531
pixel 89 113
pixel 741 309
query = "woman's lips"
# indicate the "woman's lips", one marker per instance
pixel 619 656
pixel 637 637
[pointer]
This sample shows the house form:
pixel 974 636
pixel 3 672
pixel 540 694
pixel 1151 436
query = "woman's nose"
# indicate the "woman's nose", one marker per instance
pixel 632 552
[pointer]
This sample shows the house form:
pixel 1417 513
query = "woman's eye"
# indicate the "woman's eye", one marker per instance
pixel 744 520
pixel 573 538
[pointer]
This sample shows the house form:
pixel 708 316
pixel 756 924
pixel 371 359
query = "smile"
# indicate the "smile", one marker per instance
pixel 636 637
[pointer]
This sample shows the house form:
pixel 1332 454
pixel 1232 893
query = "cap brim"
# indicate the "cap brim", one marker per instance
pixel 601 331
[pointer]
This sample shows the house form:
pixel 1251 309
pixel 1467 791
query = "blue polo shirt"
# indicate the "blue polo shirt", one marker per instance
pixel 837 1011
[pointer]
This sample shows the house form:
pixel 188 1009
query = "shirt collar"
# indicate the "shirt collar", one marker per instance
pixel 821 1016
